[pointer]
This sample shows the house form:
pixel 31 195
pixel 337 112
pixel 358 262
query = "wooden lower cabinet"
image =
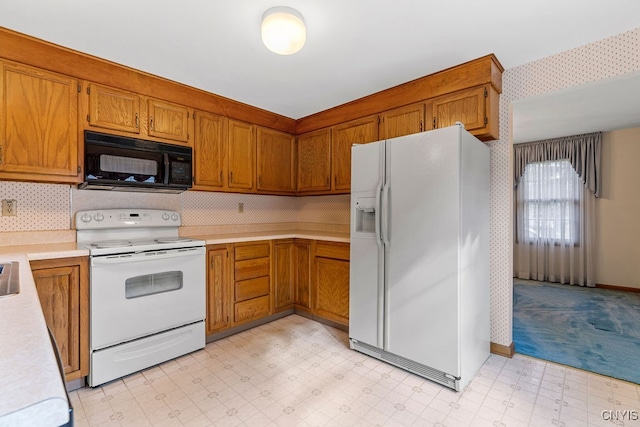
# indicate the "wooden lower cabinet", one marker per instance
pixel 252 281
pixel 284 274
pixel 331 281
pixel 63 290
pixel 218 287
pixel 302 271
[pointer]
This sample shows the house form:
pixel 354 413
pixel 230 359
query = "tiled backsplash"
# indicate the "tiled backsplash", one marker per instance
pixel 47 207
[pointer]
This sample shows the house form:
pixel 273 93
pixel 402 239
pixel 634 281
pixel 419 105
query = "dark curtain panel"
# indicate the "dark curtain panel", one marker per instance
pixel 583 152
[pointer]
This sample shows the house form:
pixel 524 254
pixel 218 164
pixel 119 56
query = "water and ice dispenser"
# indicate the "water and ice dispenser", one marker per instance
pixel 365 215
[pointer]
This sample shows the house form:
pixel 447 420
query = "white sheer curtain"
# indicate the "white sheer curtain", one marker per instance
pixel 554 225
pixel 557 182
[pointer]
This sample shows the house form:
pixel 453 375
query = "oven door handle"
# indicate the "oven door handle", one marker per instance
pixel 147 256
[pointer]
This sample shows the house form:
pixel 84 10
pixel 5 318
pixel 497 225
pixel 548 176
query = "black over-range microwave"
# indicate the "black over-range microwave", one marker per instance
pixel 129 164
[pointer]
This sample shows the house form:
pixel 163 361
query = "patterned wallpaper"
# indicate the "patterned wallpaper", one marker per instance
pixel 40 206
pixel 48 207
pixel 52 206
pixel 204 208
pixel 609 57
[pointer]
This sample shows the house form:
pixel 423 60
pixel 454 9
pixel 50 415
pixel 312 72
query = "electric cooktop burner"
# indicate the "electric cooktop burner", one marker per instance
pixel 112 244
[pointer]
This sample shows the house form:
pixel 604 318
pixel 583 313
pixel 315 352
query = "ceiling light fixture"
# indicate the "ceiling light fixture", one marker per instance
pixel 283 30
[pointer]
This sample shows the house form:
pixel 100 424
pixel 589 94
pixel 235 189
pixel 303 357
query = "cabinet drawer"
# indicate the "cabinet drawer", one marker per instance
pixel 251 268
pixel 252 288
pixel 258 250
pixel 251 309
pixel 333 250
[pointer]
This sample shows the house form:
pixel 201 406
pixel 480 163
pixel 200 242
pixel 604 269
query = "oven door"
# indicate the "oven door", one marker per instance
pixel 135 295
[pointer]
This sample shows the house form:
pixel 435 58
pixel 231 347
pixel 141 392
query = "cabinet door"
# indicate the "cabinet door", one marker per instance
pixel 332 289
pixel 465 106
pixel 168 121
pixel 241 152
pixel 113 109
pixel 276 161
pixel 314 161
pixel 38 125
pixel 218 289
pixel 302 271
pixel 63 289
pixel 210 147
pixel 402 121
pixel 283 273
pixel 343 136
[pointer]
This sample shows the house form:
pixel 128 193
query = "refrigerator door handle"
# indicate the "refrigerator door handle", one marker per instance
pixel 385 214
pixel 378 221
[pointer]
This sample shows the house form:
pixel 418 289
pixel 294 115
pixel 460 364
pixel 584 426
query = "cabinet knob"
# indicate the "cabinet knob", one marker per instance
pixel 151 123
pixel 137 121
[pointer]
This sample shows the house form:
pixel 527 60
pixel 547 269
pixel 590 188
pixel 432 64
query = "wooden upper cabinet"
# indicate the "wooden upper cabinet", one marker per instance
pixel 210 151
pixel 275 161
pixel 402 121
pixel 466 106
pixel 168 121
pixel 241 152
pixel 38 125
pixel 314 161
pixel 343 136
pixel 113 109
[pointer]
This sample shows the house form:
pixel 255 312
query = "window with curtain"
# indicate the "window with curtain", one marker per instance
pixel 550 197
pixel 556 184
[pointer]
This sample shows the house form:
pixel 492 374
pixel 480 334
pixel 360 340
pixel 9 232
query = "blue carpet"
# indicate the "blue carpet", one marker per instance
pixel 594 329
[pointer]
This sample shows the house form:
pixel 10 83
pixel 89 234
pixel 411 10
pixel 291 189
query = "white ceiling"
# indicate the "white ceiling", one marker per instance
pixel 354 47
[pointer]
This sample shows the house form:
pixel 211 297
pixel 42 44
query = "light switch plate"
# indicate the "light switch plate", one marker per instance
pixel 9 207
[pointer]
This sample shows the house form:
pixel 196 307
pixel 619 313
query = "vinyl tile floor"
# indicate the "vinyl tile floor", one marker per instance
pixel 297 372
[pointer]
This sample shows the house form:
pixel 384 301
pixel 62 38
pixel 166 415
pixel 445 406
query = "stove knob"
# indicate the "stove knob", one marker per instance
pixel 174 216
pixel 165 216
pixel 85 218
pixel 98 217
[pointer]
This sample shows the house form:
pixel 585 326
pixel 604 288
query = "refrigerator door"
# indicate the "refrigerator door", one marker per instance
pixel 366 286
pixel 422 289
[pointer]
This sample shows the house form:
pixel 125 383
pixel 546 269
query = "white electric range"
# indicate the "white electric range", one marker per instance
pixel 147 290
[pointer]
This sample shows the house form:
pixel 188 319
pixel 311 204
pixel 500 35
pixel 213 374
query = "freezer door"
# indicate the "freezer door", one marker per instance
pixel 366 287
pixel 422 289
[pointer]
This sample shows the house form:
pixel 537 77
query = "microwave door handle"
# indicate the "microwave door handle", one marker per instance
pixel 166 168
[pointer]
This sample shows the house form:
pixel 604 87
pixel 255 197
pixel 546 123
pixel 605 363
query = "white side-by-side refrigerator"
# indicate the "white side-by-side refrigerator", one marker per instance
pixel 419 268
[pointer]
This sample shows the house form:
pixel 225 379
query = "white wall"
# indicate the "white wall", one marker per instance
pixel 610 57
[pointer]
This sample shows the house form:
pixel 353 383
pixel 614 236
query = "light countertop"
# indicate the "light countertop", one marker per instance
pixel 72 249
pixel 273 235
pixel 44 251
pixel 32 390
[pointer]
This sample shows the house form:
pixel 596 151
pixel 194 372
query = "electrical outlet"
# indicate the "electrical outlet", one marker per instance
pixel 240 207
pixel 9 207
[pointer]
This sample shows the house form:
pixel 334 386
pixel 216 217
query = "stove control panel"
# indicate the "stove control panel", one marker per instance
pixel 126 218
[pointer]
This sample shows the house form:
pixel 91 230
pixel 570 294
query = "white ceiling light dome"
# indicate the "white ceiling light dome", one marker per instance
pixel 283 30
